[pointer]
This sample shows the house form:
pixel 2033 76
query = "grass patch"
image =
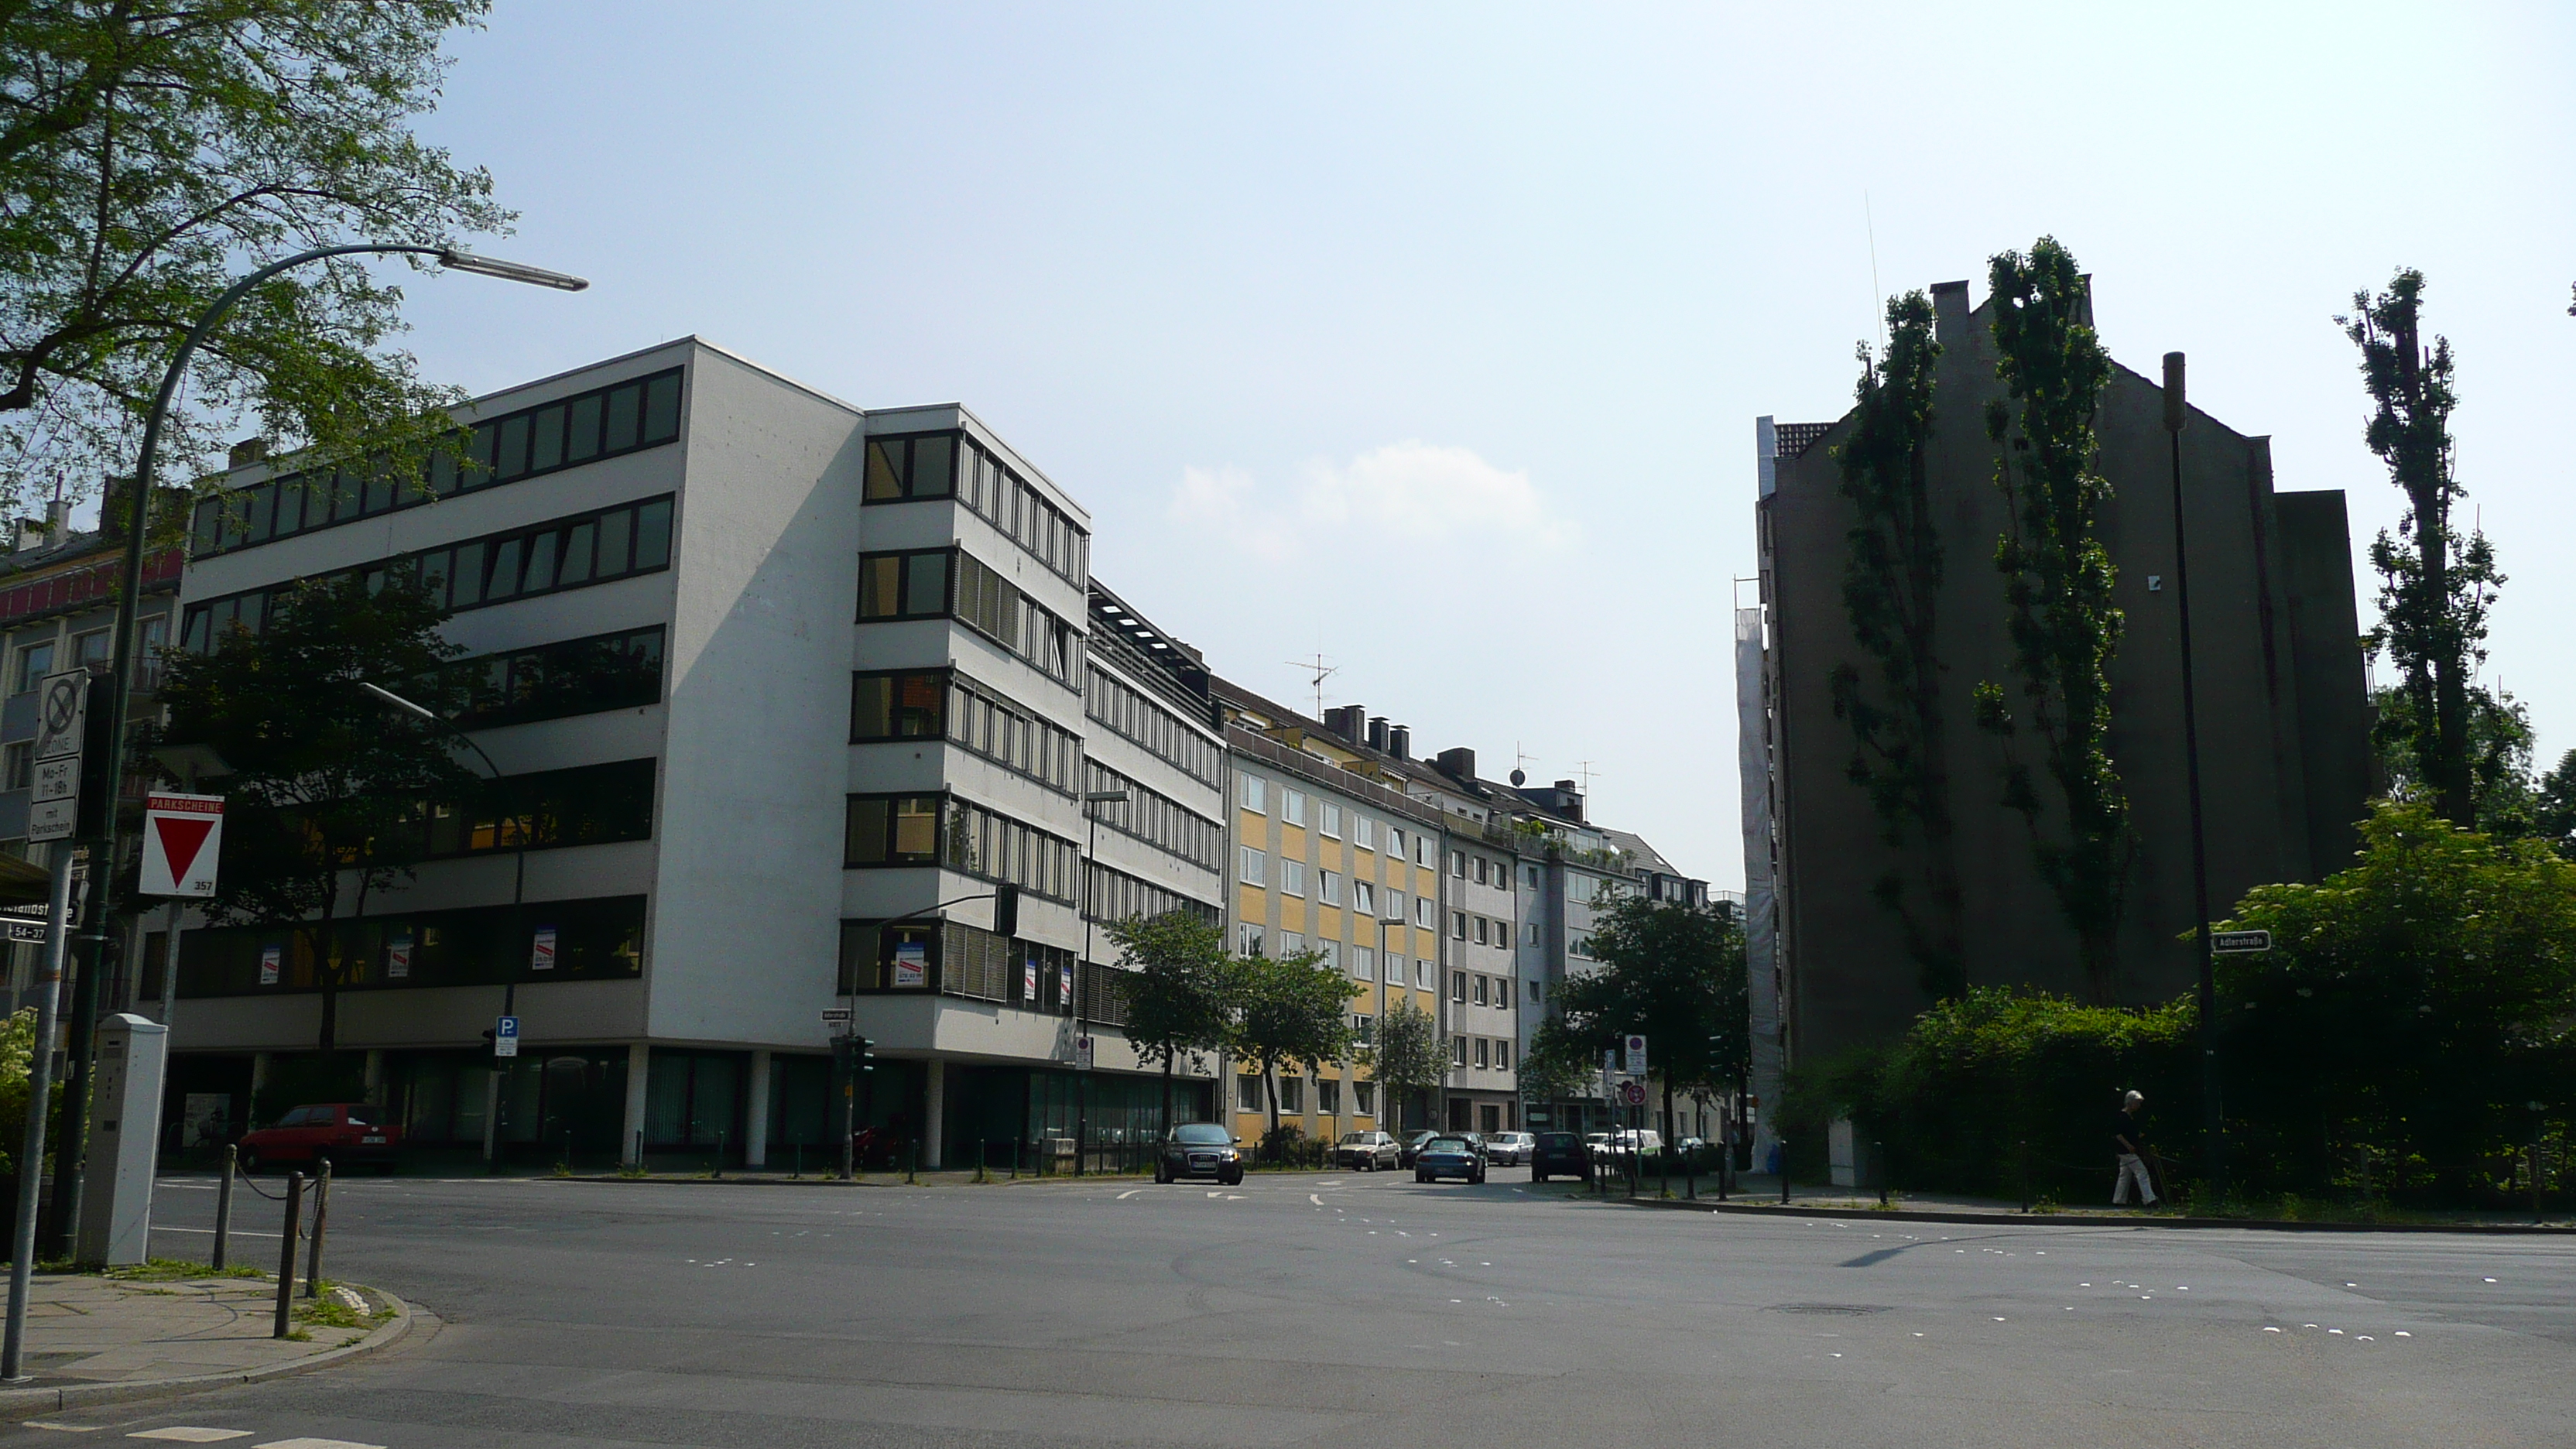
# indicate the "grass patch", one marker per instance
pixel 167 1270
pixel 329 1311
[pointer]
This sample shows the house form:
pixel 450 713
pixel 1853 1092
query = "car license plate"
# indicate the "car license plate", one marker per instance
pixel 1199 1160
pixel 371 1141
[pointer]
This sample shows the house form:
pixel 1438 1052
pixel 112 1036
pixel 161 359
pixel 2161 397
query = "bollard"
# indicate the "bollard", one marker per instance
pixel 639 1152
pixel 286 1256
pixel 224 1206
pixel 321 1221
pixel 720 1151
pixel 1782 1147
pixel 2025 1174
pixel 800 1159
pixel 911 1159
pixel 980 1175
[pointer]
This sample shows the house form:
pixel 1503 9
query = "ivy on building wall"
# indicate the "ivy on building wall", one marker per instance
pixel 2057 591
pixel 1892 576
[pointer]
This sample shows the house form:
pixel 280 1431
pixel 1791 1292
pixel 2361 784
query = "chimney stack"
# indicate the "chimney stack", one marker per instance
pixel 1377 733
pixel 246 452
pixel 1399 741
pixel 1458 763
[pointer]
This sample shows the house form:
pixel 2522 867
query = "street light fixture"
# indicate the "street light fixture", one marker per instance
pixel 69 1151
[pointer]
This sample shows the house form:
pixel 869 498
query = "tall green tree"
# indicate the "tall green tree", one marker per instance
pixel 1892 575
pixel 149 154
pixel 1674 972
pixel 1291 1011
pixel 2058 579
pixel 2503 797
pixel 1179 991
pixel 2554 806
pixel 329 787
pixel 1406 1060
pixel 2435 587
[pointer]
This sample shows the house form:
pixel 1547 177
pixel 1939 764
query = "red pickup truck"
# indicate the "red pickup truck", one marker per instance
pixel 345 1132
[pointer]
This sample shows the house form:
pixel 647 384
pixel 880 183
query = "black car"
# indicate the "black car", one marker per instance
pixel 1199 1149
pixel 1559 1154
pixel 1449 1155
pixel 1413 1148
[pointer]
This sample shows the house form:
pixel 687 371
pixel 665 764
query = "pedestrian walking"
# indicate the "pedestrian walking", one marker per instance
pixel 2129 1144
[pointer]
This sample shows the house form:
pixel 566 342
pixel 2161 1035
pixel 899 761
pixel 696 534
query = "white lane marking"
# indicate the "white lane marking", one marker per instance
pixel 1131 1192
pixel 315 1444
pixel 1312 1198
pixel 1216 1194
pixel 191 1434
pixel 210 1232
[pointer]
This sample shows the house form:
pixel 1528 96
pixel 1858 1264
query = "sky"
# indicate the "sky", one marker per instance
pixel 1430 337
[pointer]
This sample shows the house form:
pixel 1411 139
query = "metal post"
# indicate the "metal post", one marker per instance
pixel 2212 1111
pixel 286 1253
pixel 1878 1152
pixel 2025 1174
pixel 1781 1145
pixel 321 1222
pixel 40 1068
pixel 911 1159
pixel 224 1208
pixel 720 1154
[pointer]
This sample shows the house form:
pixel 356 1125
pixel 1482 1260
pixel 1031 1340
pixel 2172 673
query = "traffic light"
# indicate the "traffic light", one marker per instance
pixel 1006 911
pixel 865 1057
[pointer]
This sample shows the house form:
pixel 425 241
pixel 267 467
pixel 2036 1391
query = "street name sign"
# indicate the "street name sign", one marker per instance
pixel 2237 942
pixel 836 1016
pixel 183 835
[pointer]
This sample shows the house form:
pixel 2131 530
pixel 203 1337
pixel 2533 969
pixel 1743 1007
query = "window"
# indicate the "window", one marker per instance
pixel 899 706
pixel 1533 877
pixel 1481 925
pixel 1503 992
pixel 1247 1095
pixel 1331 887
pixel 575 552
pixel 1118 896
pixel 1533 933
pixel 1395 970
pixel 1458 864
pixel 1480 990
pixel 600 938
pixel 952 465
pixel 1457 1051
pixel 1534 993
pixel 1422 973
pixel 1364 963
pixel 1252 794
pixel 904 585
pixel 34 663
pixel 1255 866
pixel 917 467
pixel 1292 877
pixel 601 423
pixel 1363 832
pixel 1483 1054
pixel 92 647
pixel 21 765
pixel 1332 824
pixel 556 681
pixel 1291 943
pixel 964 837
pixel 1458 925
pixel 1328 1097
pixel 892 830
pixel 1292 1095
pixel 1422 913
pixel 1458 987
pixel 1126 711
pixel 583 805
pixel 1249 943
pixel 1364 898
pixel 1482 865
pixel 1364 1096
pixel 1332 953
pixel 1395 842
pixel 900 956
pixel 1502 1056
pixel 1148 814
pixel 1292 806
pixel 1395 905
pixel 1422 849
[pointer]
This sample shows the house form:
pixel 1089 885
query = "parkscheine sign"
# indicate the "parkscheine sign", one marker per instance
pixel 182 837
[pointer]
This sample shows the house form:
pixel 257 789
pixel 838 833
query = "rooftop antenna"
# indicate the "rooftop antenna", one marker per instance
pixel 1323 670
pixel 1520 765
pixel 1585 769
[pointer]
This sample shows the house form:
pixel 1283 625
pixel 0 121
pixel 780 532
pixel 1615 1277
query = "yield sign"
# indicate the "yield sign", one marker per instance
pixel 182 836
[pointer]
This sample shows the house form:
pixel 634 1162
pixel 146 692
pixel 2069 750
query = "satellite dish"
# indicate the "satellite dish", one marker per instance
pixel 1519 779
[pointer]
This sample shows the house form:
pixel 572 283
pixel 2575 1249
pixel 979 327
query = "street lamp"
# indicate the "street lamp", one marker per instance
pixel 68 1152
pixel 492 1100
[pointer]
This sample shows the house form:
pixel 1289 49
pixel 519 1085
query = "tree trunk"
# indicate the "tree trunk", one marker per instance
pixel 1167 1094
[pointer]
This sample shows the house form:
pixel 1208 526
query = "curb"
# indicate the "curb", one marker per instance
pixel 1913 1215
pixel 886 1179
pixel 19 1404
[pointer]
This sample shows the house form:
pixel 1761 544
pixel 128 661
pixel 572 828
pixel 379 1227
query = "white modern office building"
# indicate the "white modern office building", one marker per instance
pixel 803 684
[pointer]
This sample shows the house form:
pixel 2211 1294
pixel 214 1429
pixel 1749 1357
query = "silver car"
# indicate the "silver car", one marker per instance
pixel 1367 1151
pixel 1508 1149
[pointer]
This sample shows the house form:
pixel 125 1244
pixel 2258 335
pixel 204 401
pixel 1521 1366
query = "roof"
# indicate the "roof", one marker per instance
pixel 1796 438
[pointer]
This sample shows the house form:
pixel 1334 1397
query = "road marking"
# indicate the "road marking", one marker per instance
pixel 315 1444
pixel 1131 1192
pixel 1216 1194
pixel 190 1434
pixel 210 1232
pixel 1312 1198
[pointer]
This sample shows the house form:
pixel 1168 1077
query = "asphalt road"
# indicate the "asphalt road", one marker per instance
pixel 1364 1309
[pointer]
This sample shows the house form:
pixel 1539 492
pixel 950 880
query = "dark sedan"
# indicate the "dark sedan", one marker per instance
pixel 1453 1156
pixel 1413 1148
pixel 1199 1149
pixel 1559 1154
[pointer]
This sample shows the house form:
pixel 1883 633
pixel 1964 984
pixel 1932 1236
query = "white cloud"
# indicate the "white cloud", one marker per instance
pixel 1411 491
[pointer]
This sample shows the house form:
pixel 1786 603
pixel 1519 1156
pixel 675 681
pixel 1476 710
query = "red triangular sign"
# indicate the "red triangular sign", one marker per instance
pixel 182 836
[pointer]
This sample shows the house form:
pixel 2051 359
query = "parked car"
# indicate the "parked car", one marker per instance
pixel 1559 1154
pixel 345 1132
pixel 1508 1149
pixel 1367 1151
pixel 1449 1155
pixel 1628 1142
pixel 1200 1149
pixel 1413 1148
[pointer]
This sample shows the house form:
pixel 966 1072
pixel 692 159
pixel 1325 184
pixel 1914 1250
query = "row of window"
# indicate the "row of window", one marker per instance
pixel 1487 872
pixel 950 464
pixel 1485 930
pixel 602 423
pixel 1155 818
pixel 1255 792
pixel 553 681
pixel 1250 1096
pixel 545 809
pixel 1491 1053
pixel 582 940
pixel 943 831
pixel 1484 990
pixel 952 583
pixel 1130 712
pixel 568 553
pixel 943 704
pixel 1118 896
pixel 1252 940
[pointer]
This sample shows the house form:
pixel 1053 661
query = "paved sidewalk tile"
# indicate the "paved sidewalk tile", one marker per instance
pixel 87 1329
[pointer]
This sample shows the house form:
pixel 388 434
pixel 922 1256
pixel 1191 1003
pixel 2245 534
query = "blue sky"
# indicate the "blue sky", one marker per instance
pixel 1431 336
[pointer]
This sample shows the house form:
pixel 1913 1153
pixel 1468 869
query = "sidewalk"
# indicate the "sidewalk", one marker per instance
pixel 94 1339
pixel 1759 1193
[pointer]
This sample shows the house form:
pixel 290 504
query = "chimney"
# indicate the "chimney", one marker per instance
pixel 58 521
pixel 1399 742
pixel 1354 725
pixel 1458 763
pixel 31 534
pixel 246 452
pixel 1377 733
pixel 1566 785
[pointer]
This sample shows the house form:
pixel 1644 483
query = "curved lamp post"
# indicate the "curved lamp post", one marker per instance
pixel 66 1196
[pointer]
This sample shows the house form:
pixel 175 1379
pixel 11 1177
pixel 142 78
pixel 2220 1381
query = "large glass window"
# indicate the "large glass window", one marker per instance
pixel 555 681
pixel 950 464
pixel 593 939
pixel 583 805
pixel 900 705
pixel 903 585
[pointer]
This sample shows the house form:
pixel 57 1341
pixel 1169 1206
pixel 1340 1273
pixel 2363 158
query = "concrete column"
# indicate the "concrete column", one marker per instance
pixel 639 1062
pixel 934 1102
pixel 755 1127
pixel 375 1072
pixel 258 1072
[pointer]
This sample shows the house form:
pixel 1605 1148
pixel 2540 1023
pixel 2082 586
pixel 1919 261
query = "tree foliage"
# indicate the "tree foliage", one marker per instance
pixel 2058 594
pixel 2435 587
pixel 1407 1059
pixel 1891 587
pixel 1674 972
pixel 2503 797
pixel 328 785
pixel 1291 1011
pixel 17 1059
pixel 1178 992
pixel 149 154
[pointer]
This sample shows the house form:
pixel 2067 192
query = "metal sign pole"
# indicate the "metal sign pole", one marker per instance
pixel 31 1158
